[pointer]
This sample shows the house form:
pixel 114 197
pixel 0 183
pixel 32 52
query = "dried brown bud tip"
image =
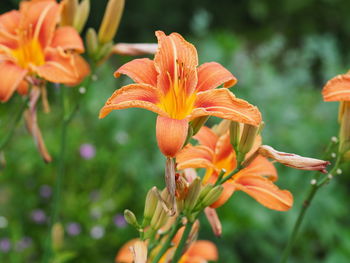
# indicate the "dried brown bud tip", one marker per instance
pixel 293 160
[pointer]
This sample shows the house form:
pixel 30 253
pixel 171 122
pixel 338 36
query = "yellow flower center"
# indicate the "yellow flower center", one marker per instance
pixel 177 102
pixel 29 53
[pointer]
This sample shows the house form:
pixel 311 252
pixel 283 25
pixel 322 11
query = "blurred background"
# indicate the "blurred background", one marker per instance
pixel 282 53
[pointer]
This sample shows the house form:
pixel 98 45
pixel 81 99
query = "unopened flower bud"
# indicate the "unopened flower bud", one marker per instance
pixel 150 205
pixel 57 236
pixel 204 191
pixel 91 42
pixel 235 134
pixel 131 218
pixel 193 194
pixel 222 127
pixel 110 22
pixel 126 49
pixel 293 160
pixel 81 15
pixel 160 215
pixel 247 139
pixel 344 135
pixel 69 10
pixel 212 196
pixel 104 51
pixel 181 187
pixel 139 251
pixel 214 221
pixel 197 123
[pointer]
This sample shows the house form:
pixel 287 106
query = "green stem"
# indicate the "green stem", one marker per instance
pixel 306 204
pixel 18 116
pixel 59 179
pixel 228 177
pixel 180 247
pixel 168 241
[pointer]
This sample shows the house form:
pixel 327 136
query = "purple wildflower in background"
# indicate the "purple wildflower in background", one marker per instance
pixel 38 216
pixel 119 221
pixel 45 191
pixel 87 151
pixel 24 243
pixel 73 229
pixel 5 245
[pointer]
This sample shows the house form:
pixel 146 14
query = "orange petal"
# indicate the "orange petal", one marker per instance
pixel 224 149
pixel 61 67
pixel 68 39
pixel 265 192
pixel 229 189
pixel 139 70
pixel 133 96
pixel 223 104
pixel 171 135
pixel 195 157
pixel 206 137
pixel 175 60
pixel 8 25
pixel 337 89
pixel 206 250
pixel 11 77
pixel 23 88
pixel 43 16
pixel 124 254
pixel 260 166
pixel 211 75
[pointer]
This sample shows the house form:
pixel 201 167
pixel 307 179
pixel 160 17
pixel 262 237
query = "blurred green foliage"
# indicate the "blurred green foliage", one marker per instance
pixel 282 52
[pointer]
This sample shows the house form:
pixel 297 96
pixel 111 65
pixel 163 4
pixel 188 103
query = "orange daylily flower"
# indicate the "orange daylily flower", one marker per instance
pixel 337 89
pixel 177 90
pixel 198 252
pixel 215 153
pixel 31 45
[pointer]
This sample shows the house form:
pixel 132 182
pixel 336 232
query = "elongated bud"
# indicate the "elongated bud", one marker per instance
pixel 214 221
pixel 181 187
pixel 193 194
pixel 126 49
pixel 81 15
pixel 139 251
pixel 91 42
pixel 247 139
pixel 160 215
pixel 197 123
pixel 212 196
pixel 150 205
pixel 170 182
pixel 111 20
pixel 69 10
pixel 222 127
pixel 104 51
pixel 57 236
pixel 344 135
pixel 235 134
pixel 204 191
pixel 130 218
pixel 293 160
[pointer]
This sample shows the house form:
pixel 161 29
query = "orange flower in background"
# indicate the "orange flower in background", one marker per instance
pixel 337 89
pixel 198 252
pixel 215 153
pixel 177 90
pixel 31 45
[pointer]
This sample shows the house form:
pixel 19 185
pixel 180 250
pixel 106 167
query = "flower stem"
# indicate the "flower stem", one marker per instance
pixel 180 247
pixel 59 179
pixel 306 204
pixel 167 242
pixel 17 118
